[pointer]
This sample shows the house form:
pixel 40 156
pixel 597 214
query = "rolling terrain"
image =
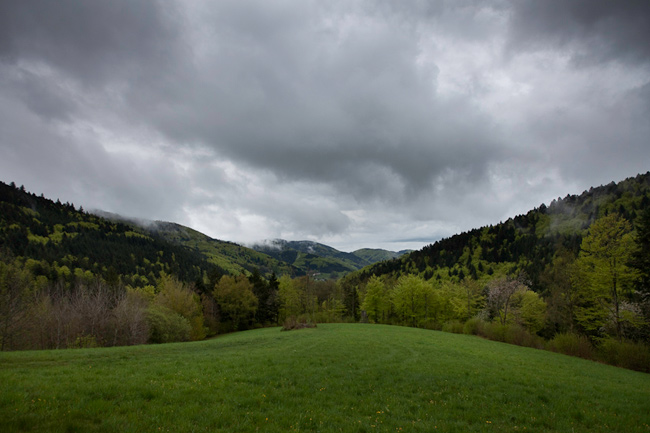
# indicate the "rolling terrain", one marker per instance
pixel 339 377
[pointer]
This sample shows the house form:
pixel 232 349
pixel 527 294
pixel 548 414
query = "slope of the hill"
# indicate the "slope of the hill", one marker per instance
pixel 338 377
pixel 524 243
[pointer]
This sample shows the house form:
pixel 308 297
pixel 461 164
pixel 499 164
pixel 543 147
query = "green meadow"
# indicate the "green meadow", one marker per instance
pixel 336 377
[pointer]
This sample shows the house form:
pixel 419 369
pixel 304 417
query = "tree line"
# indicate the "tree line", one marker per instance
pixel 36 313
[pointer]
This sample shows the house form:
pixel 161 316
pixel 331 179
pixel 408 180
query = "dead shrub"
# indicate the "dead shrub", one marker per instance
pixel 293 323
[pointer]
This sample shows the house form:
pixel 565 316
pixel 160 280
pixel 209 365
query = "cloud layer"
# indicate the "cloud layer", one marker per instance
pixel 363 123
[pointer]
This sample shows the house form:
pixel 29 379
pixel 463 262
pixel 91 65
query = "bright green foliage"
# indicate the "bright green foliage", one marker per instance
pixel 375 302
pixel 177 297
pixel 289 296
pixel 236 301
pixel 529 310
pixel 414 299
pixel 166 325
pixel 603 276
pixel 466 298
pixel 331 310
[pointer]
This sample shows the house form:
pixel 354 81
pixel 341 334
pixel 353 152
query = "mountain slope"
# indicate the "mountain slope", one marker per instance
pixel 67 244
pixel 526 243
pixel 230 256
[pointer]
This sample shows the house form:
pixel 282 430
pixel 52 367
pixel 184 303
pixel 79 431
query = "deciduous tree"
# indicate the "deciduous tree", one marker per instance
pixel 413 299
pixel 603 276
pixel 236 300
pixel 500 295
pixel 375 302
pixel 178 297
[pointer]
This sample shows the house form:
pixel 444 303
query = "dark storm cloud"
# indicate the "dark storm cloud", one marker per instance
pixel 333 95
pixel 594 30
pixel 309 118
pixel 94 42
pixel 319 94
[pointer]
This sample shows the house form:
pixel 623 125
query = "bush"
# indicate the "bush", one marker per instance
pixel 515 334
pixel 471 327
pixel 293 323
pixel 626 354
pixel 167 326
pixel 492 331
pixel 431 325
pixel 84 342
pixel 454 326
pixel 571 344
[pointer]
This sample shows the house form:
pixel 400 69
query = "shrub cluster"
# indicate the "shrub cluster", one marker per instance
pixel 293 323
pixel 626 354
pixel 572 344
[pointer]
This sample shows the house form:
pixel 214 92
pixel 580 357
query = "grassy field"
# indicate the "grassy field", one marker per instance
pixel 338 377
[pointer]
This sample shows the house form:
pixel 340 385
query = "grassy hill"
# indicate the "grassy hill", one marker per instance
pixel 339 377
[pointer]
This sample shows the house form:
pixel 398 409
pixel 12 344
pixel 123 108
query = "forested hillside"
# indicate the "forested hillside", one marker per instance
pixel 374 255
pixel 526 243
pixel 578 267
pixel 73 279
pixel 65 244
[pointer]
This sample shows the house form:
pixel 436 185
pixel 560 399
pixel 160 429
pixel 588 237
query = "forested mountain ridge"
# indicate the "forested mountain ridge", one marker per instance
pixel 527 243
pixel 228 256
pixel 66 244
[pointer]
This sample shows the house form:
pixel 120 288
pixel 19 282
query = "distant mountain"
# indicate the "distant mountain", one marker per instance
pixel 321 260
pixel 371 255
pixel 230 256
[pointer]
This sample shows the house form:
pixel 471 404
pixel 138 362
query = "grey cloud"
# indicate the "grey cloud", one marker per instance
pixel 93 41
pixel 322 108
pixel 293 96
pixel 593 30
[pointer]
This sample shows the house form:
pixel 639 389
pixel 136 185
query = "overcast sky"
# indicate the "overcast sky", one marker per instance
pixel 377 124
